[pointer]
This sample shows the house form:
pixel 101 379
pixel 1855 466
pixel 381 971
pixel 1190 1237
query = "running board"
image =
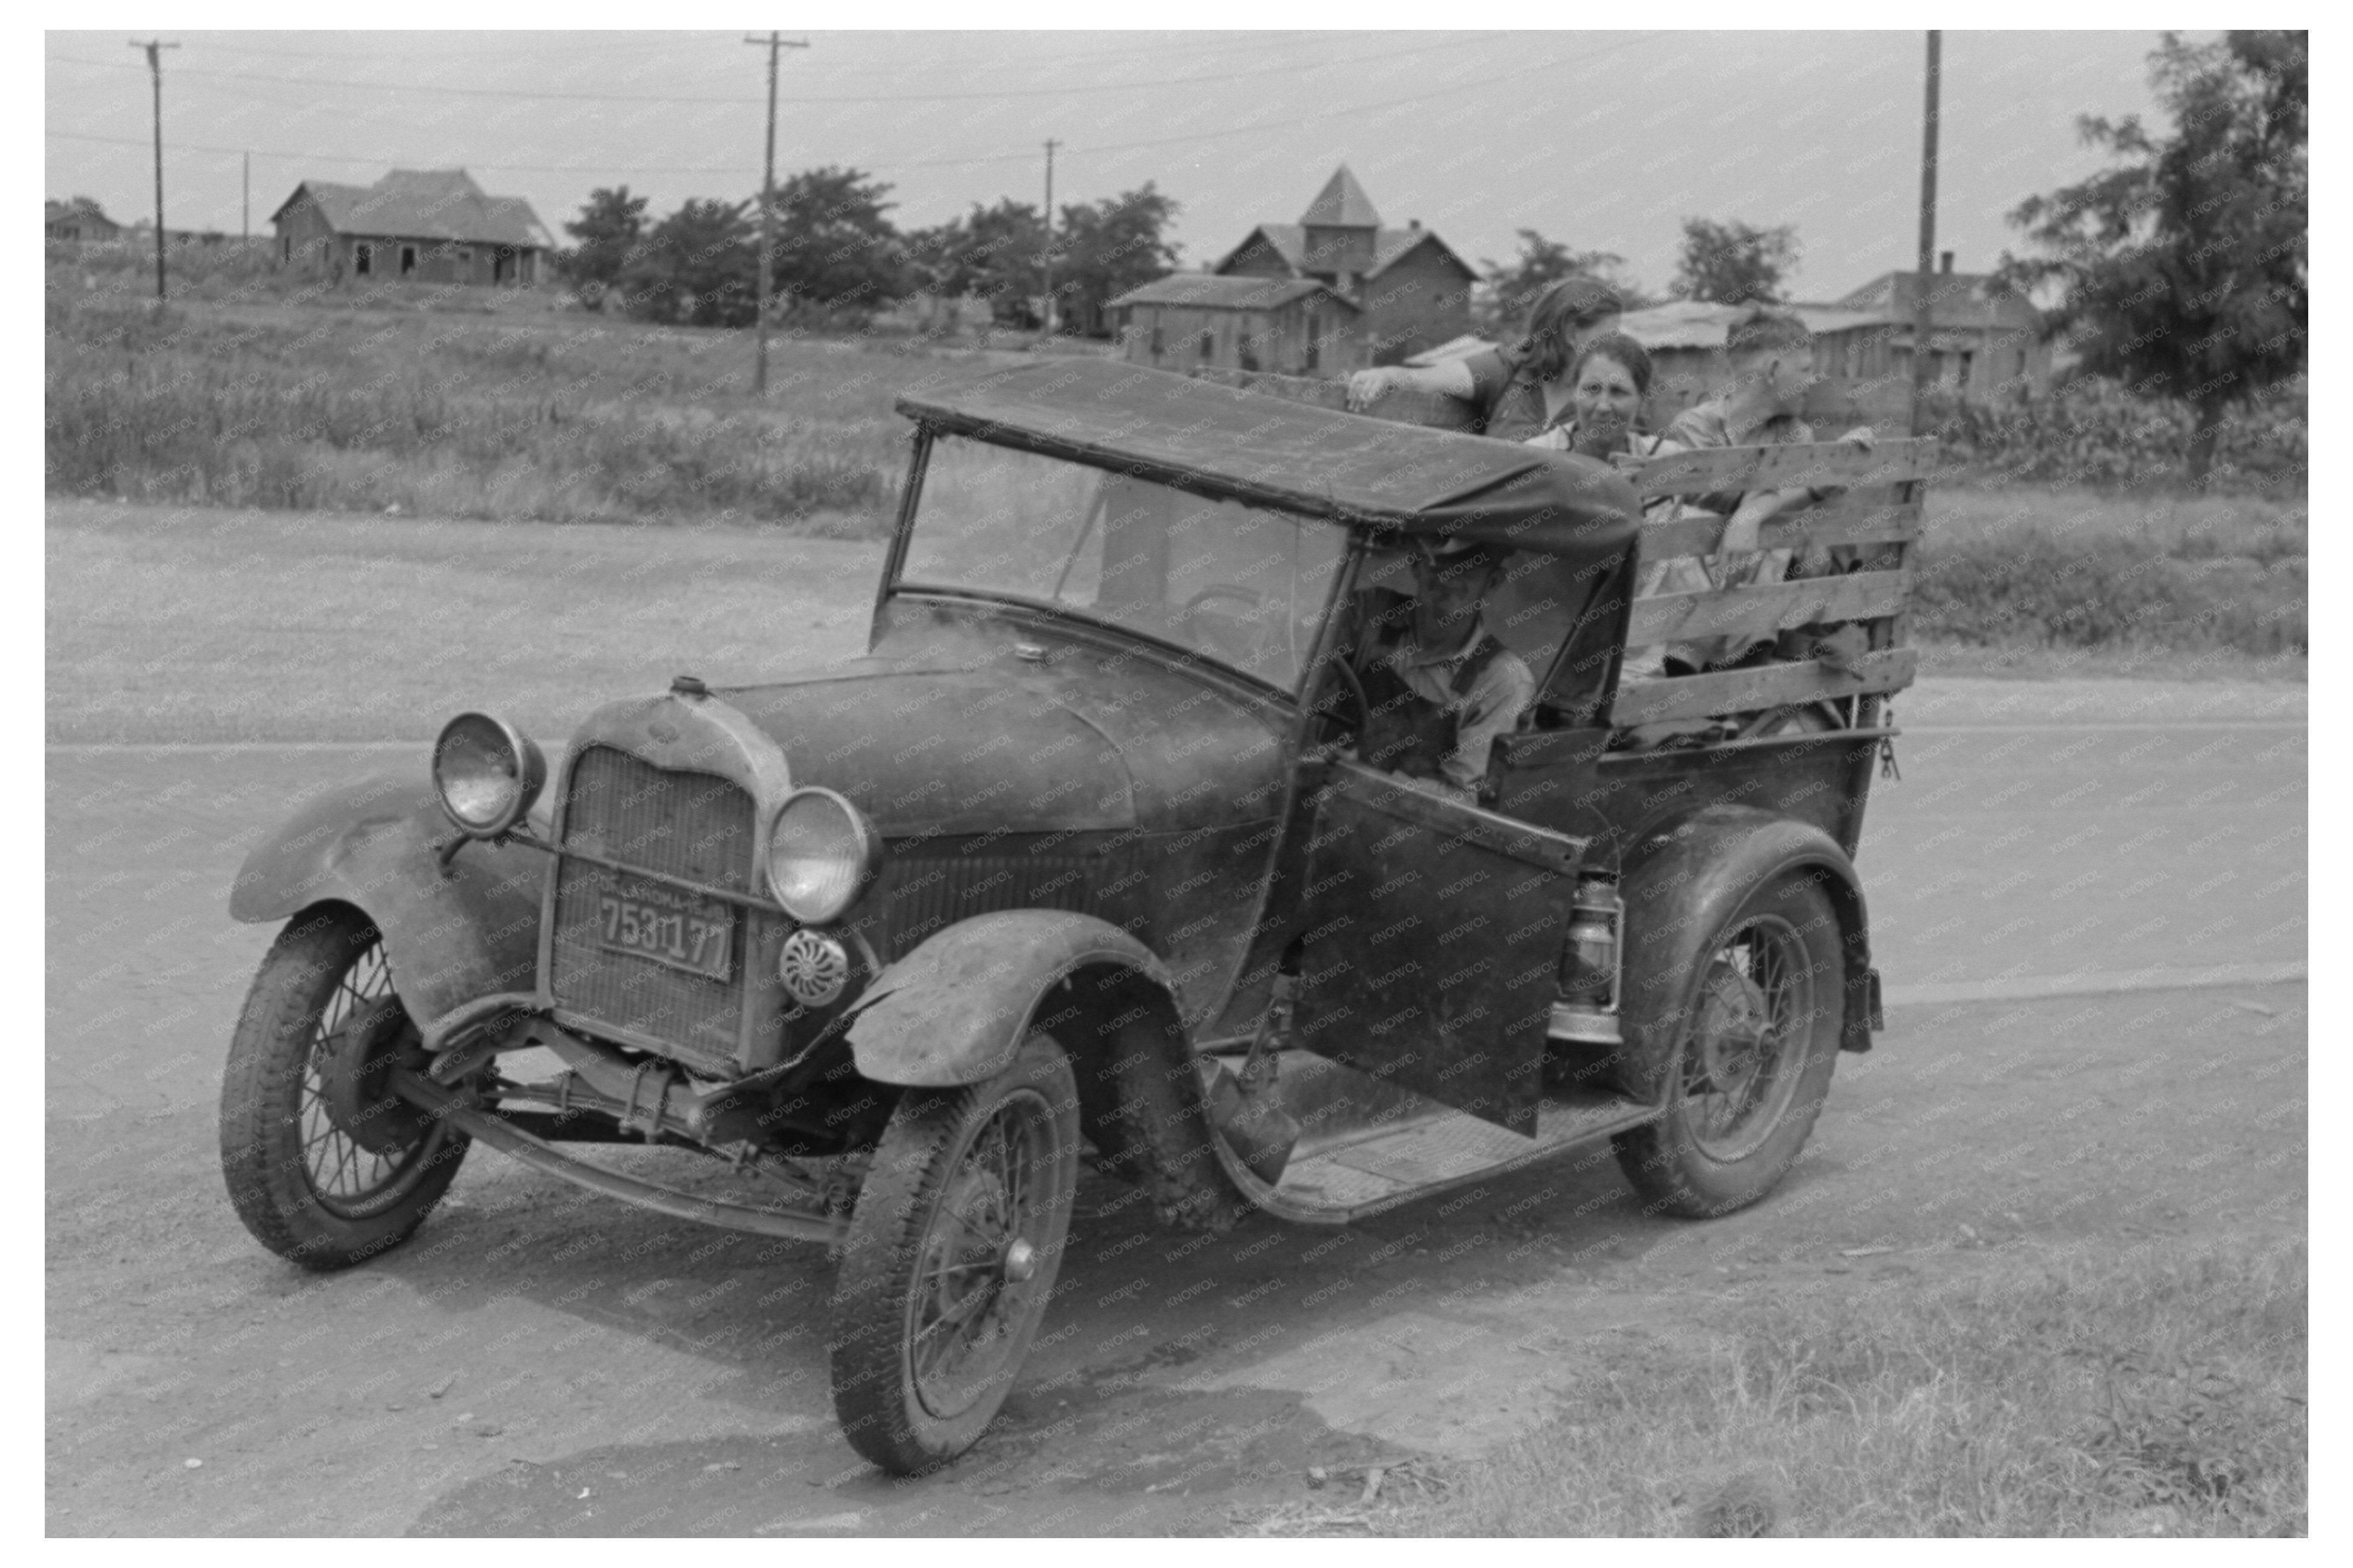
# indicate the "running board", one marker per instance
pixel 541 1155
pixel 1386 1148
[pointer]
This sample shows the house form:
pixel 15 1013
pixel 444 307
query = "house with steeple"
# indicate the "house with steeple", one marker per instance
pixel 1411 288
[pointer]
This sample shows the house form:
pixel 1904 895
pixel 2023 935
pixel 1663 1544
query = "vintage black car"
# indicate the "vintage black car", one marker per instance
pixel 1079 861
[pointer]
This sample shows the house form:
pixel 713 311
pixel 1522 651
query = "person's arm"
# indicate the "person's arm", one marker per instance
pixel 1452 377
pixel 1496 699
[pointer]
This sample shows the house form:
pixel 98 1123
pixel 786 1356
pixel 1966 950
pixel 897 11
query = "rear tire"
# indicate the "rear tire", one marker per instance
pixel 325 1173
pixel 951 1259
pixel 1754 1035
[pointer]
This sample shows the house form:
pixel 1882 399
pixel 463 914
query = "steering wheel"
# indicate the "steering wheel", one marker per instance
pixel 1340 726
pixel 1192 629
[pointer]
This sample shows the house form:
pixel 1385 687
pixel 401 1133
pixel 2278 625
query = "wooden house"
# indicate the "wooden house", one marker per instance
pixel 436 225
pixel 1198 321
pixel 80 221
pixel 1411 290
pixel 1984 339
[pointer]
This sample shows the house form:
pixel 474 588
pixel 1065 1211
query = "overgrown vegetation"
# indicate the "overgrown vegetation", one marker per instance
pixel 551 420
pixel 2153 1391
pixel 2092 431
pixel 2084 570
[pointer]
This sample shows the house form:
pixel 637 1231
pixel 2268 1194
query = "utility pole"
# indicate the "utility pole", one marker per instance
pixel 768 208
pixel 1049 250
pixel 1920 313
pixel 154 47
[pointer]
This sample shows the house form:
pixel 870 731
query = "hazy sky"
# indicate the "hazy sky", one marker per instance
pixel 1603 139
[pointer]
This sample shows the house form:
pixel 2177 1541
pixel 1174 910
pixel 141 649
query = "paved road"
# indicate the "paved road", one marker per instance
pixel 539 1361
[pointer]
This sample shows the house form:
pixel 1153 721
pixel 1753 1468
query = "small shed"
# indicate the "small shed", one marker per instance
pixel 435 226
pixel 80 221
pixel 1291 326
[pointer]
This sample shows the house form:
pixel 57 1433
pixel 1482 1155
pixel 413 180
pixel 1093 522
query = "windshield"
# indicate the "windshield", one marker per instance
pixel 1244 586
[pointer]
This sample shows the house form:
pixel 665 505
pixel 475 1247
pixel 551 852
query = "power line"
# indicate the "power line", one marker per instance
pixel 559 97
pixel 884 165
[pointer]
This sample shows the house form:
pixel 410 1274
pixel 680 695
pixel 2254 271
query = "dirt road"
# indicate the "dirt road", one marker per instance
pixel 542 1361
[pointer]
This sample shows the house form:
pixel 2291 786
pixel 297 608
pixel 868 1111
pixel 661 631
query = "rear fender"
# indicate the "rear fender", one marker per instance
pixel 1687 877
pixel 956 1010
pixel 452 937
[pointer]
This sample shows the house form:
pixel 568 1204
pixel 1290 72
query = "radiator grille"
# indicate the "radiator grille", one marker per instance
pixel 687 825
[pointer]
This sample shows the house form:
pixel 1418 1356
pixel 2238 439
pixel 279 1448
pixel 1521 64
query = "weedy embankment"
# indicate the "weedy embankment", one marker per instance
pixel 2158 1390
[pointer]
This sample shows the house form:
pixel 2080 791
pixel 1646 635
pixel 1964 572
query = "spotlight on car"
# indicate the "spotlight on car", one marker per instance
pixel 822 855
pixel 486 773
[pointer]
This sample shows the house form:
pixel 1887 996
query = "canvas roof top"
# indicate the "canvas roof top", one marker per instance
pixel 1221 441
pixel 425 204
pixel 1208 290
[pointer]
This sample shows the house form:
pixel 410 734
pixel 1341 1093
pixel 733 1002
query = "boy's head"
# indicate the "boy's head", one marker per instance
pixel 1773 350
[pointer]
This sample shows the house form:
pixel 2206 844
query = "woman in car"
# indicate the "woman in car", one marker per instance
pixel 1523 390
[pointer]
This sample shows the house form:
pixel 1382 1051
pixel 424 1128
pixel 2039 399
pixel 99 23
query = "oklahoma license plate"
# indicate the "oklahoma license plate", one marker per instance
pixel 667 925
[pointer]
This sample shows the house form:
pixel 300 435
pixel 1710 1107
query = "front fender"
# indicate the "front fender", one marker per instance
pixel 1685 878
pixel 955 1009
pixel 451 938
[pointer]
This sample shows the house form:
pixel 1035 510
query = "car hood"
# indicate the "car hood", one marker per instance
pixel 984 741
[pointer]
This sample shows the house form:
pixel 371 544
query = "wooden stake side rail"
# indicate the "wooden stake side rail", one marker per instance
pixel 1769 686
pixel 1757 612
pixel 1819 464
pixel 1870 515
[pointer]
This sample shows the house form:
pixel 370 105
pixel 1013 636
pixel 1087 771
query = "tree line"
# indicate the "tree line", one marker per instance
pixel 838 256
pixel 2181 271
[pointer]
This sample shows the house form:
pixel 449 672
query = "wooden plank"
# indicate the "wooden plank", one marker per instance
pixel 1819 463
pixel 1856 597
pixel 1858 517
pixel 1770 685
pixel 1399 404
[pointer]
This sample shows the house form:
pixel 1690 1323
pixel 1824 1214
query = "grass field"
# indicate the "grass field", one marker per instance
pixel 1997 1404
pixel 549 417
pixel 411 406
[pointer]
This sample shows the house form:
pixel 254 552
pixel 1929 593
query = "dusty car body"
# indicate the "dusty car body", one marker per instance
pixel 1079 857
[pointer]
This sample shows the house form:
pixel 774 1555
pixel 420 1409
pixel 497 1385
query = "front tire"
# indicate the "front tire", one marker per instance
pixel 322 1172
pixel 1753 1035
pixel 950 1257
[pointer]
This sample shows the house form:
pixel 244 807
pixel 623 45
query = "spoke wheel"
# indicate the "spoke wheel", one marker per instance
pixel 324 1166
pixel 1752 1046
pixel 950 1260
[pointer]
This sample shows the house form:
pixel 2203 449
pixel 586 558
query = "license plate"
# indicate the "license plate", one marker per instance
pixel 667 925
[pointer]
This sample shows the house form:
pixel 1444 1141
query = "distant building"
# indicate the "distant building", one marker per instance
pixel 436 225
pixel 80 221
pixel 1985 341
pixel 1292 326
pixel 1413 291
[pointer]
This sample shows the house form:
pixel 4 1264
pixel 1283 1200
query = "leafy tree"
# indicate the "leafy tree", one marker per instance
pixel 2183 269
pixel 836 253
pixel 699 266
pixel 1105 250
pixel 1512 287
pixel 992 253
pixel 1732 263
pixel 611 224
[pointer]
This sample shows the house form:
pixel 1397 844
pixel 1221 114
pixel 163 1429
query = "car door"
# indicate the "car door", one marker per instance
pixel 1432 945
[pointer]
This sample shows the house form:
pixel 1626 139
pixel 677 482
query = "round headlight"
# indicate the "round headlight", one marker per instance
pixel 486 773
pixel 821 855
